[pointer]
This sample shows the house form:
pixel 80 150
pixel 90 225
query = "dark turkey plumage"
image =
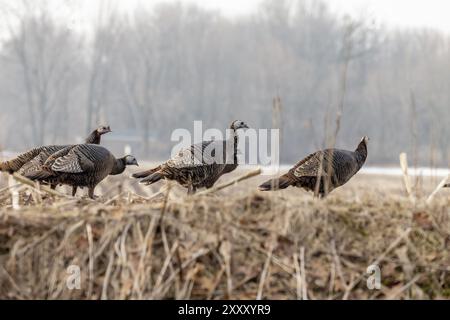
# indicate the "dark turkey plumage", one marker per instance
pixel 322 171
pixel 29 160
pixel 33 159
pixel 83 165
pixel 200 165
pixel 28 163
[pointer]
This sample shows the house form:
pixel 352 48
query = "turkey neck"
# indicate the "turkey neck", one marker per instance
pixel 94 138
pixel 119 166
pixel 233 139
pixel 361 153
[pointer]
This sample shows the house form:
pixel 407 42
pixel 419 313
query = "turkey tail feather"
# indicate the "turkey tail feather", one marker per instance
pixel 155 177
pixel 275 184
pixel 4 167
pixel 38 175
pixel 17 163
pixel 144 174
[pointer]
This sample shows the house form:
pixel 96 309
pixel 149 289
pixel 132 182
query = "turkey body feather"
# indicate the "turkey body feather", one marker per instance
pixel 200 165
pixel 195 167
pixel 30 162
pixel 83 165
pixel 322 171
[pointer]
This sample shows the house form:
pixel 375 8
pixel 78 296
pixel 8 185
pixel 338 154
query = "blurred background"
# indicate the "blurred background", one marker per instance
pixel 317 69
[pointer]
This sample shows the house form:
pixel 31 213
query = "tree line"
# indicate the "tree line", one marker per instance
pixel 320 77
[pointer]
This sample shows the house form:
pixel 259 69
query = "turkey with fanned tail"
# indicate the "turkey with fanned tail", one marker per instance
pixel 83 165
pixel 322 171
pixel 200 165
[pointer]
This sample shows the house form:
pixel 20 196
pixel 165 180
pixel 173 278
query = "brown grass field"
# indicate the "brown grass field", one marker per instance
pixel 236 243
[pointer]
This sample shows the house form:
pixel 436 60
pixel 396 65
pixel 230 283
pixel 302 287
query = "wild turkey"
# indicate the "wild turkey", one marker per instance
pixel 197 166
pixel 334 167
pixel 35 158
pixel 95 136
pixel 82 165
pixel 31 161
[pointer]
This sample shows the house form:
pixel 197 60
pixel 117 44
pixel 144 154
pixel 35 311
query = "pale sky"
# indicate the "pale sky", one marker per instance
pixel 403 13
pixel 407 13
pixel 80 14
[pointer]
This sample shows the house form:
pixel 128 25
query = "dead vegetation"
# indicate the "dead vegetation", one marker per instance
pixel 232 244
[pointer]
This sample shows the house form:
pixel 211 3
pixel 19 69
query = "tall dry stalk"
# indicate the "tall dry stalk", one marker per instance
pixel 406 178
pixel 277 112
pixel 414 135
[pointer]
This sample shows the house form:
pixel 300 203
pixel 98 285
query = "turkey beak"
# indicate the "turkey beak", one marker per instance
pixel 136 163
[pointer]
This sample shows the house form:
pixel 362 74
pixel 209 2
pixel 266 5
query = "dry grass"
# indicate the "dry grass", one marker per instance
pixel 237 243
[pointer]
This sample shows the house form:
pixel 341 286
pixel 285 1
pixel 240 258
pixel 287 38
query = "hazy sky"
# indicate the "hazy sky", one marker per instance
pixel 407 13
pixel 432 13
pixel 80 14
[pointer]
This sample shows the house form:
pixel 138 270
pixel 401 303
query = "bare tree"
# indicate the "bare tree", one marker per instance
pixel 46 57
pixel 102 56
pixel 141 73
pixel 157 70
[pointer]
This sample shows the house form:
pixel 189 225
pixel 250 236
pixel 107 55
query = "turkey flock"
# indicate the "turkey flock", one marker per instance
pixel 86 165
